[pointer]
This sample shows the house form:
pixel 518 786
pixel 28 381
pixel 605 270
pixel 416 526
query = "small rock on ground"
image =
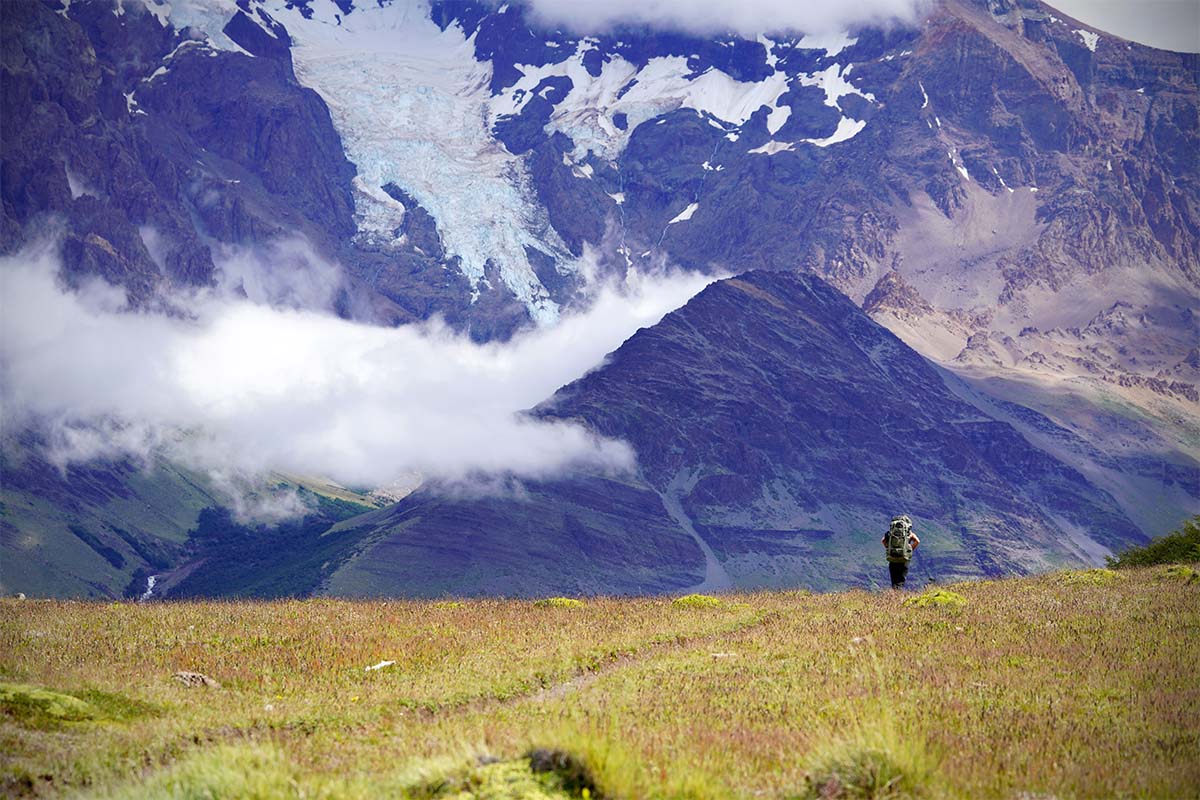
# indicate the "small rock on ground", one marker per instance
pixel 196 679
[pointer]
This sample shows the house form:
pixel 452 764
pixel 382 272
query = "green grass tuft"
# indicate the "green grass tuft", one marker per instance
pixel 568 770
pixel 542 774
pixel 696 601
pixel 872 758
pixel 859 770
pixel 116 707
pixel 558 602
pixel 252 772
pixel 863 770
pixel 1087 577
pixel 1180 572
pixel 36 707
pixel 942 598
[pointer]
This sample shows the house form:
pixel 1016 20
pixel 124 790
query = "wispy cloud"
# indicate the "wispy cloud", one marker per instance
pixel 744 17
pixel 252 387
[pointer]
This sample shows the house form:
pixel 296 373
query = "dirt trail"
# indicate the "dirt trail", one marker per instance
pixel 582 680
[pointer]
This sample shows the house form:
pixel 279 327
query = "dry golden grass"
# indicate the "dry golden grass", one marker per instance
pixel 1036 686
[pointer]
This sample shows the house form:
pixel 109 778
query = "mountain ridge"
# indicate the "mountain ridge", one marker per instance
pixel 1007 190
pixel 782 472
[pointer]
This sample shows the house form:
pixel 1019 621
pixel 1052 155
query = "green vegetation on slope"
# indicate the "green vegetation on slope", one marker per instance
pixel 1178 547
pixel 1036 687
pixel 92 530
pixel 290 559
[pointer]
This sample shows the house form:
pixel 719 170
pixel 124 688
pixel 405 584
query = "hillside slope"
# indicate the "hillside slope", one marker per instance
pixel 778 428
pixel 1065 685
pixel 93 530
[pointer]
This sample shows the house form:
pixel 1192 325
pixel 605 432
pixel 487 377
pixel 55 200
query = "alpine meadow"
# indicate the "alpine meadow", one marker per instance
pixel 673 400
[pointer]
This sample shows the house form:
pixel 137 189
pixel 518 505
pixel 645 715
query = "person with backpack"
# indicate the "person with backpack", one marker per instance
pixel 900 542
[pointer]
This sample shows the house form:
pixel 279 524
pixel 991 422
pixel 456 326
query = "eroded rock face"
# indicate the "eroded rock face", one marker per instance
pixel 70 154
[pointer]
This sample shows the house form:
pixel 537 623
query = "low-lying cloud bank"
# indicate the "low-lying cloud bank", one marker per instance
pixel 744 17
pixel 248 388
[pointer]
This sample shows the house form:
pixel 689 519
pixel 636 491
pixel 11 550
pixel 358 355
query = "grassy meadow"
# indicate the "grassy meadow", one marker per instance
pixel 1065 685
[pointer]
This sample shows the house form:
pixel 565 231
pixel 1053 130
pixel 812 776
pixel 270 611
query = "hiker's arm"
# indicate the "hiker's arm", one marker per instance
pixel 883 541
pixel 915 541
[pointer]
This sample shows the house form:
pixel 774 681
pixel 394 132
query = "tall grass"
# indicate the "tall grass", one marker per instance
pixel 1037 686
pixel 872 757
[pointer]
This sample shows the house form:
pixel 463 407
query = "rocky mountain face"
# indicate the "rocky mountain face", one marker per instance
pixel 1010 192
pixel 996 155
pixel 777 428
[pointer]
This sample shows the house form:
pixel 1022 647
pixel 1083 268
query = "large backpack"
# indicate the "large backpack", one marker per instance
pixel 899 548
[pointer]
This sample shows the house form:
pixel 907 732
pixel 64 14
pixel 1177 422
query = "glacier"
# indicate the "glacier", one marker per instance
pixel 414 107
pixel 411 104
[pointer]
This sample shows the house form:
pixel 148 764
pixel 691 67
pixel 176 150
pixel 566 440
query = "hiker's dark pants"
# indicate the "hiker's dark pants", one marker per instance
pixel 899 571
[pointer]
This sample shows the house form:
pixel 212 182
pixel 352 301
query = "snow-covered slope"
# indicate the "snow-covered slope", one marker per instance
pixel 419 106
pixel 412 106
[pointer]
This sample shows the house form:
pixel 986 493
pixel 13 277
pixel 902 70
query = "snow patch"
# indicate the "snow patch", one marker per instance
pixel 686 214
pixel 618 197
pixel 1089 38
pixel 847 129
pixel 772 59
pixel 958 165
pixel 778 116
pixel 831 43
pixel 578 170
pixel 924 97
pixel 131 105
pixel 1001 179
pixel 208 17
pixel 772 147
pixel 832 81
pixel 663 85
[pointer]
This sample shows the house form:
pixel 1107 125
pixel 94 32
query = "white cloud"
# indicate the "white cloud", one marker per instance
pixel 744 17
pixel 285 272
pixel 247 388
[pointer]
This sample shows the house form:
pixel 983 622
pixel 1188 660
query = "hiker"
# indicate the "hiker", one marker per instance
pixel 900 542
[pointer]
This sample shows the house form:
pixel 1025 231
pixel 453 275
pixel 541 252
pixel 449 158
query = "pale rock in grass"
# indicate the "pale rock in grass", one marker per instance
pixel 194 679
